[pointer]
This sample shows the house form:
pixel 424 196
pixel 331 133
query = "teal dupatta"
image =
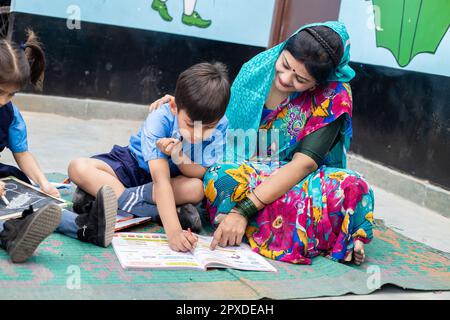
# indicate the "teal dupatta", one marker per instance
pixel 252 85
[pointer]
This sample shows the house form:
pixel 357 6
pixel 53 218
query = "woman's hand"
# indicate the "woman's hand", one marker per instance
pixel 158 103
pixel 230 230
pixel 50 189
pixel 168 145
pixel 182 241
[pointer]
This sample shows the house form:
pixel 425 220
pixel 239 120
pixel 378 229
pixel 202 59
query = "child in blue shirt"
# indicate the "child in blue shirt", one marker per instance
pixel 164 163
pixel 18 65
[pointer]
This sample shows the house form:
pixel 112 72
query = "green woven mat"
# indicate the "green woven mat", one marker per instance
pixel 64 268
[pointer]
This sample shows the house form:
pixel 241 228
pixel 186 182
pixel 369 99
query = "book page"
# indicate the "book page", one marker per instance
pixel 237 257
pixel 150 250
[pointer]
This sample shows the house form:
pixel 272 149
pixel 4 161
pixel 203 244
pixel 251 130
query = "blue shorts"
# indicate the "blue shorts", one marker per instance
pixel 7 171
pixel 125 166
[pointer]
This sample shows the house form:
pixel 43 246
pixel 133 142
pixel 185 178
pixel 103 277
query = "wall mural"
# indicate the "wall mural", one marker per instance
pixel 410 27
pixel 403 34
pixel 189 17
pixel 245 22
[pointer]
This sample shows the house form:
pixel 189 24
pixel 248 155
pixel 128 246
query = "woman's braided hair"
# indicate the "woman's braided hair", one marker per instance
pixel 324 44
pixel 320 49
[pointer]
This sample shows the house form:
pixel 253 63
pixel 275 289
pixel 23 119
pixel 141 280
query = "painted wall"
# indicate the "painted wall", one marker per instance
pixel 107 62
pixel 401 91
pixel 401 54
pixel 229 18
pixel 403 34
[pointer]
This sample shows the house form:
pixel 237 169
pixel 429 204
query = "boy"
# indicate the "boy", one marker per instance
pixel 164 164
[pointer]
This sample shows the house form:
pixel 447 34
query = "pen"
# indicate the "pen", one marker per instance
pixel 5 200
pixel 190 233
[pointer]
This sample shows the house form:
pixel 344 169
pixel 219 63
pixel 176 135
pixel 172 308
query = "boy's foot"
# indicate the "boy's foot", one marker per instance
pixel 22 236
pixel 358 252
pixel 195 20
pixel 161 8
pixel 82 201
pixel 189 217
pixel 97 226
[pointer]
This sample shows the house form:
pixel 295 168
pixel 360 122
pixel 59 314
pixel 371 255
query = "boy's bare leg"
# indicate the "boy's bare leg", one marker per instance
pixel 92 174
pixel 187 190
pixel 140 201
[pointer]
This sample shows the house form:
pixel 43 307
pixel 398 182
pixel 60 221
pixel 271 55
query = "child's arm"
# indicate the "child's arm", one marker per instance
pixel 2 189
pixel 173 147
pixel 28 164
pixel 18 144
pixel 179 240
pixel 191 169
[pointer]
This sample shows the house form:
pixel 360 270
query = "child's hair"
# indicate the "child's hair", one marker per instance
pixel 203 91
pixel 20 64
pixel 320 48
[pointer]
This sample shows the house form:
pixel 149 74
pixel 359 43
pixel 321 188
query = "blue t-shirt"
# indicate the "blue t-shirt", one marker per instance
pixel 162 123
pixel 17 133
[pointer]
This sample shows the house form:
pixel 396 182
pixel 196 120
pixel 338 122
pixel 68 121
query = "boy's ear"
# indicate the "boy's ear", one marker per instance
pixel 173 106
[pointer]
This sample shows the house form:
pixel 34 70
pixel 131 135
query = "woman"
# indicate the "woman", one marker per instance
pixel 306 204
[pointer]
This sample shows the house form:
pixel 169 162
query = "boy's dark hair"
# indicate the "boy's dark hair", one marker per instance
pixel 20 64
pixel 320 48
pixel 203 91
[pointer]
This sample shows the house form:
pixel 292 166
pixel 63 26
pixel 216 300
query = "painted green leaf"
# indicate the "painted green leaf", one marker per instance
pixel 410 27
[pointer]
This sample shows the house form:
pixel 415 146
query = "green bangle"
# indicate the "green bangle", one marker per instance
pixel 247 208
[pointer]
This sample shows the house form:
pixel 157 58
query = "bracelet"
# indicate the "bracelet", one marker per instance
pixel 246 208
pixel 254 193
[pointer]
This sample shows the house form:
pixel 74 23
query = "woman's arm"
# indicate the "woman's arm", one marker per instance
pixel 158 103
pixel 283 180
pixel 231 230
pixel 306 159
pixel 28 164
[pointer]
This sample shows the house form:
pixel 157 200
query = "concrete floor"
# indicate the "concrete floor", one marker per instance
pixel 55 140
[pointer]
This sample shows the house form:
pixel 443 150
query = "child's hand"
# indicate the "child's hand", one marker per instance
pixel 182 241
pixel 50 189
pixel 158 103
pixel 2 189
pixel 168 145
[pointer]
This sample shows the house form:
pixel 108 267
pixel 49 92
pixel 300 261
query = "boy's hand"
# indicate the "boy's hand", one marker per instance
pixel 168 145
pixel 50 189
pixel 182 241
pixel 2 189
pixel 158 103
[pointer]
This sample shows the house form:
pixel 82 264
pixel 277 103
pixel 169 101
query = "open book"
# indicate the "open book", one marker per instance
pixel 151 250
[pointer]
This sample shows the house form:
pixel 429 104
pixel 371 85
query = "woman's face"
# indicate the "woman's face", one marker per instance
pixel 291 75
